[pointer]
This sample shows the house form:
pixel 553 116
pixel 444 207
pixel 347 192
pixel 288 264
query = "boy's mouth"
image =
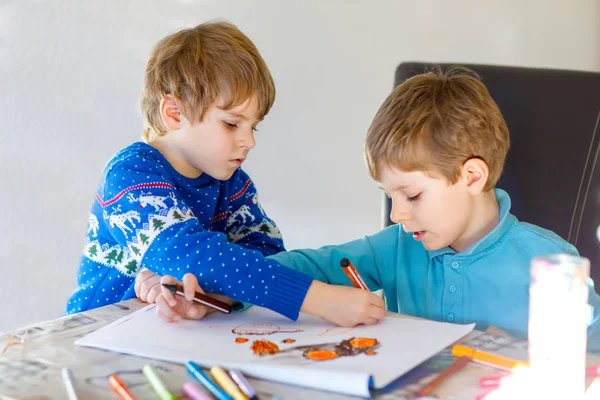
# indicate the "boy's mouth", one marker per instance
pixel 418 235
pixel 237 161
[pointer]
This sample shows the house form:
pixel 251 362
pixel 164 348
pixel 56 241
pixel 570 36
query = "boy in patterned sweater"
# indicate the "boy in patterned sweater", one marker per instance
pixel 179 204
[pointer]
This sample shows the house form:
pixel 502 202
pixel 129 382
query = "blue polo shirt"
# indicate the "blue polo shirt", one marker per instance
pixel 486 283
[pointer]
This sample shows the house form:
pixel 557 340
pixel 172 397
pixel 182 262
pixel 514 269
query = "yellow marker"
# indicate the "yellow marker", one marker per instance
pixel 482 357
pixel 157 384
pixel 226 383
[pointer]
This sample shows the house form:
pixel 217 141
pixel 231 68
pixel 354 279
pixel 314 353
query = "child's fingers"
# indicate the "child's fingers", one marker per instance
pixel 190 286
pixel 165 311
pixel 166 293
pixel 153 293
pixel 377 313
pixel 377 301
pixel 196 311
pixel 141 277
pixel 370 321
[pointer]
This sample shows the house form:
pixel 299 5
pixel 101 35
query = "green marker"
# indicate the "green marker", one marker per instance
pixel 157 384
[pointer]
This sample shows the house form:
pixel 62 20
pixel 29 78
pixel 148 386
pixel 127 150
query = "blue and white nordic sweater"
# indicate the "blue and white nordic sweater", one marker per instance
pixel 148 215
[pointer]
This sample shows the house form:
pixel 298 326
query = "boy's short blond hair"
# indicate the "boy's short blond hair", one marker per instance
pixel 434 122
pixel 214 60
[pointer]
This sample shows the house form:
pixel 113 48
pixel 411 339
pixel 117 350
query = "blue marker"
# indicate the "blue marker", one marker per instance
pixel 208 383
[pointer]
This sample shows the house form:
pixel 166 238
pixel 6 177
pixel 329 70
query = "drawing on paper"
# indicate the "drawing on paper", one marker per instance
pixel 264 347
pixel 321 352
pixel 261 329
pixel 338 330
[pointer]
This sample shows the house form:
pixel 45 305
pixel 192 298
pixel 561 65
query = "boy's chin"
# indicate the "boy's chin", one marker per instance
pixel 429 246
pixel 222 175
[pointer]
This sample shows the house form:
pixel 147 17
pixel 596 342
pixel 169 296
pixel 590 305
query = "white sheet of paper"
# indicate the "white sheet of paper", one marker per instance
pixel 403 344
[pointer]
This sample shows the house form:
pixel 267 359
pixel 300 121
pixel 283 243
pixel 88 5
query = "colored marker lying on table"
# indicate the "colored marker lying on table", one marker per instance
pixel 118 386
pixel 194 393
pixel 67 376
pixel 195 370
pixel 456 366
pixel 482 357
pixel 157 384
pixel 352 274
pixel 226 383
pixel 200 298
pixel 243 384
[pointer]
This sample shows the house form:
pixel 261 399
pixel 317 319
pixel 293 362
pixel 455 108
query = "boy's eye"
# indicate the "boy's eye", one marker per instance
pixel 230 125
pixel 414 198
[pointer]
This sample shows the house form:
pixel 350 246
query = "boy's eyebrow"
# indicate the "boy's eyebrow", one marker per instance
pixel 241 116
pixel 399 187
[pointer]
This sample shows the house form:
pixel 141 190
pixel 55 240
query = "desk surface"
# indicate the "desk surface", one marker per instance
pixel 31 370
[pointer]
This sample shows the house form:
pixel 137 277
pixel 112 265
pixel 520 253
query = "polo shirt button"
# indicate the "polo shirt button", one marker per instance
pixel 455 264
pixel 450 317
pixel 452 288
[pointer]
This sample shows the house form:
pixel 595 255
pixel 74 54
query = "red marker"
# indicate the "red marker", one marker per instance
pixel 352 274
pixel 118 386
pixel 456 366
pixel 202 299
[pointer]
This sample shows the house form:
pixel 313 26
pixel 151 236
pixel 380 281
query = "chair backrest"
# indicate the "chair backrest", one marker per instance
pixel 551 170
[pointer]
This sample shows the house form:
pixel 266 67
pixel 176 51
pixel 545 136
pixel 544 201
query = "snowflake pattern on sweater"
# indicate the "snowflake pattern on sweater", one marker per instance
pixel 146 214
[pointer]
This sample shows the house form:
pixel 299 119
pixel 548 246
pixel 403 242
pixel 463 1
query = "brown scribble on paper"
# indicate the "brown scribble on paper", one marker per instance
pixel 288 340
pixel 258 328
pixel 330 351
pixel 337 330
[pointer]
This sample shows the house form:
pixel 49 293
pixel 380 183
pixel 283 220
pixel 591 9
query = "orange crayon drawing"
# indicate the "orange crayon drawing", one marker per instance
pixel 264 347
pixel 330 351
pixel 288 340
pixel 321 355
pixel 241 340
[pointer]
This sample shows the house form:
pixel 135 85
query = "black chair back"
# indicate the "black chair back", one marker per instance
pixel 551 170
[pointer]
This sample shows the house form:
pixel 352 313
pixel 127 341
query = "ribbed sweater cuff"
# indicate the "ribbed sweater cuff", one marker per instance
pixel 289 292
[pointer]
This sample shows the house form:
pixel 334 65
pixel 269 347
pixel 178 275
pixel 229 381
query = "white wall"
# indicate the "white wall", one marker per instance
pixel 71 74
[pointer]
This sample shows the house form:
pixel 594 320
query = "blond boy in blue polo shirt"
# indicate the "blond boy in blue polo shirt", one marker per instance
pixel 437 147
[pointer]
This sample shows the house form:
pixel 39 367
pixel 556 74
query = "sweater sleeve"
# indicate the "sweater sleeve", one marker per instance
pixel 247 224
pixel 156 229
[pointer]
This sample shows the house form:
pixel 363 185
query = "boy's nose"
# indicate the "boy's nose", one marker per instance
pixel 399 216
pixel 248 140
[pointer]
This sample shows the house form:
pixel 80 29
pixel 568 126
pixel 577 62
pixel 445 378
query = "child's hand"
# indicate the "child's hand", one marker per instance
pixel 147 286
pixel 172 308
pixel 343 305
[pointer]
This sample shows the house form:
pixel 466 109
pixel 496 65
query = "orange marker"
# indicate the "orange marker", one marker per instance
pixel 482 357
pixel 451 370
pixel 118 386
pixel 352 274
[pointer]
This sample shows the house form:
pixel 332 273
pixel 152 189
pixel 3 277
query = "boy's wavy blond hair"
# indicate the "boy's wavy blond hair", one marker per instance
pixel 434 122
pixel 214 60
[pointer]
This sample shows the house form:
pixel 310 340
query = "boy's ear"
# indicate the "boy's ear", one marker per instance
pixel 475 172
pixel 170 112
